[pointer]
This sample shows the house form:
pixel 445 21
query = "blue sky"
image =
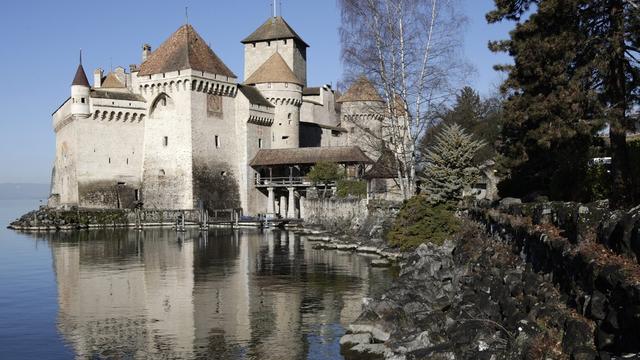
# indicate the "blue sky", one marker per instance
pixel 41 40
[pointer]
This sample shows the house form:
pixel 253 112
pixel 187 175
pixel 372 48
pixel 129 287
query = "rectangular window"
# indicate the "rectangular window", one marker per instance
pixel 82 100
pixel 217 139
pixel 259 143
pixel 136 194
pixel 165 141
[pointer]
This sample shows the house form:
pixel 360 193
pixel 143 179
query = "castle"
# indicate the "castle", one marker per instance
pixel 179 131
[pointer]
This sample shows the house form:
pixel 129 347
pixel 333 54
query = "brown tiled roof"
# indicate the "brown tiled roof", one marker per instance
pixel 81 77
pixel 311 91
pixel 274 70
pixel 361 90
pixel 275 28
pixel 184 49
pixel 312 155
pixel 254 96
pixel 385 168
pixel 112 81
pixel 116 95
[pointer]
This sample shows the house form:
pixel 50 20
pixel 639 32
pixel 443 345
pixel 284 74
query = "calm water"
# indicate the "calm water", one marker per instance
pixel 155 294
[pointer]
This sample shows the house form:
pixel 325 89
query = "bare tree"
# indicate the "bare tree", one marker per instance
pixel 410 51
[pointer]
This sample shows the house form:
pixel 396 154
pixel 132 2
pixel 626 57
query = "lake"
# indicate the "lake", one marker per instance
pixel 218 294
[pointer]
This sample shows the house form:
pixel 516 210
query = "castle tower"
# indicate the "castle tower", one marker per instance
pixel 190 136
pixel 275 36
pixel 278 83
pixel 80 90
pixel 362 113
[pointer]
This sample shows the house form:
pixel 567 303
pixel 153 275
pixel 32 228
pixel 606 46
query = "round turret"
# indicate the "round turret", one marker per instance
pixel 277 82
pixel 80 90
pixel 287 99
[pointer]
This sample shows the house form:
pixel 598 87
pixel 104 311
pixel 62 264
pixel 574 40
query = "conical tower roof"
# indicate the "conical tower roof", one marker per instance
pixel 274 70
pixel 185 49
pixel 361 90
pixel 275 28
pixel 81 77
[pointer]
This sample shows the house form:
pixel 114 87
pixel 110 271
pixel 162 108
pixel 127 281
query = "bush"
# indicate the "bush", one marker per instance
pixel 347 188
pixel 420 221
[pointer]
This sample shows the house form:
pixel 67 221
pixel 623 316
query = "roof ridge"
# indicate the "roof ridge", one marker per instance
pixel 361 90
pixel 274 70
pixel 184 49
pixel 275 28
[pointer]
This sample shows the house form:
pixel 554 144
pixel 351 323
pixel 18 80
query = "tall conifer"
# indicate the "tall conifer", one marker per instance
pixel 575 69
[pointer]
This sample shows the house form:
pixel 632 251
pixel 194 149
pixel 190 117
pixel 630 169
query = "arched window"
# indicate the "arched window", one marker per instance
pixel 162 173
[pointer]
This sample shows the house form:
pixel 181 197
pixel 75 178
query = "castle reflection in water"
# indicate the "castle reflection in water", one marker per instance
pixel 222 294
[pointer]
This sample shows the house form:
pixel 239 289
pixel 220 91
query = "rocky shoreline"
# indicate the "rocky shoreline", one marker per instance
pixel 471 298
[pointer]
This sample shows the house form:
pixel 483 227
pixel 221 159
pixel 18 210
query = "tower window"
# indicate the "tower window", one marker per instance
pixel 136 194
pixel 82 100
pixel 165 141
pixel 259 143
pixel 109 160
pixel 217 140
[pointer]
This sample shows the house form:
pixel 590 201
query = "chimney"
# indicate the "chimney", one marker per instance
pixel 97 78
pixel 146 51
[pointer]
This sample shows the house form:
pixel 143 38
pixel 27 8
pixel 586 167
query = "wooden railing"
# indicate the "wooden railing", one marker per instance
pixel 282 181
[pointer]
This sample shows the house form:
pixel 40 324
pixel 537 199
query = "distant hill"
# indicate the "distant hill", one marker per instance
pixel 14 191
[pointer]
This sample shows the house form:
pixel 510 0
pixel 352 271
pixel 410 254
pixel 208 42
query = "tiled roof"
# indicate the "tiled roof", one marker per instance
pixel 385 168
pixel 112 82
pixel 274 70
pixel 116 95
pixel 184 49
pixel 81 77
pixel 361 90
pixel 311 91
pixel 311 155
pixel 254 96
pixel 275 28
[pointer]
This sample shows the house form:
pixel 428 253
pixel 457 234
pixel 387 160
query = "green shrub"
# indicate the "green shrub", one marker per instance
pixel 347 188
pixel 597 182
pixel 420 221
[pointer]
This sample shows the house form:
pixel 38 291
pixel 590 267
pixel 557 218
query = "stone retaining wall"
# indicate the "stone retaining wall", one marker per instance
pixel 355 217
pixel 618 230
pixel 599 283
pixel 56 219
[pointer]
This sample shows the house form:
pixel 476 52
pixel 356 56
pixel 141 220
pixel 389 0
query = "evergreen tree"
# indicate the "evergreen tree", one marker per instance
pixel 480 118
pixel 575 68
pixel 450 166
